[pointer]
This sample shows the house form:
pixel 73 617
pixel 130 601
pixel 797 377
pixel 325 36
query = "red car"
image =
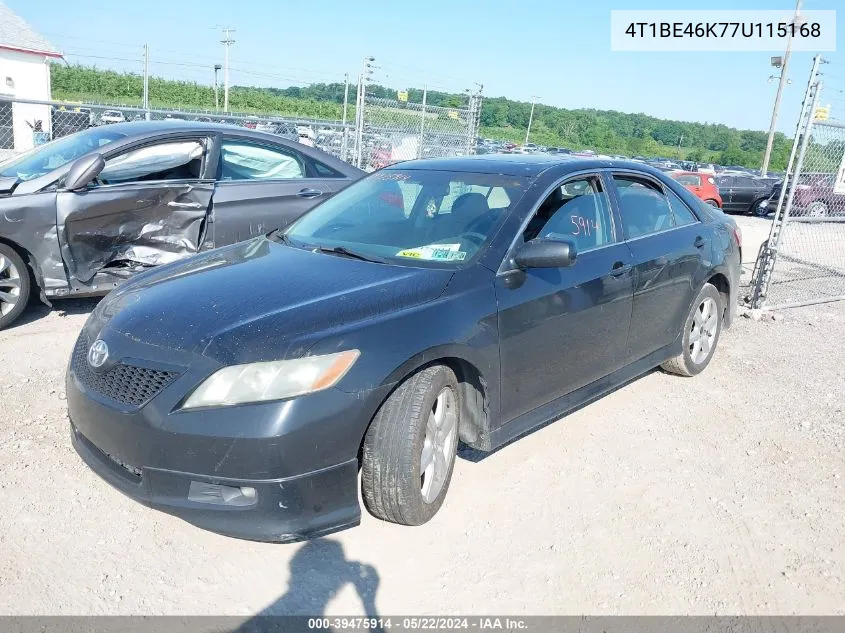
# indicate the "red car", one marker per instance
pixel 702 185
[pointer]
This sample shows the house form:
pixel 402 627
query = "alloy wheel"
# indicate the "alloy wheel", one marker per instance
pixel 438 446
pixel 702 335
pixel 10 285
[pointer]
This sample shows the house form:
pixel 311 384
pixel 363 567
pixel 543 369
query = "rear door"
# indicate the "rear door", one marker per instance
pixel 744 192
pixel 147 207
pixel 725 186
pixel 263 186
pixel 667 248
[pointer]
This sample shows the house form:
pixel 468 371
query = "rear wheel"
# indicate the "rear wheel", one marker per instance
pixel 410 448
pixel 14 285
pixel 817 209
pixel 700 335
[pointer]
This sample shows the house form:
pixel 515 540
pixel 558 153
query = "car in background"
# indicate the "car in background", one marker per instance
pixel 702 185
pixel 112 116
pixel 255 390
pixel 814 197
pixel 744 193
pixel 88 211
pixel 706 168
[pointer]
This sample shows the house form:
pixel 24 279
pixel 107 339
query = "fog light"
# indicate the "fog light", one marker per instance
pixel 202 492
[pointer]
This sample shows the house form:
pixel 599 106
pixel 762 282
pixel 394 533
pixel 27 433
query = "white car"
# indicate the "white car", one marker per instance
pixel 706 168
pixel 112 116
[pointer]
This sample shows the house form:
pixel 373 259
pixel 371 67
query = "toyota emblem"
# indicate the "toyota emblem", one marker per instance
pixel 98 354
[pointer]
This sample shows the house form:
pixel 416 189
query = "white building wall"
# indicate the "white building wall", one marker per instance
pixel 26 76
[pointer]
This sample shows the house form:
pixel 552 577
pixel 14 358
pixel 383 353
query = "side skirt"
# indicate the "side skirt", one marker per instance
pixel 548 413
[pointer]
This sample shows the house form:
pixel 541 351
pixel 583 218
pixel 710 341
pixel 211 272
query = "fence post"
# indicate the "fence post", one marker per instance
pixel 777 231
pixel 765 263
pixel 344 142
pixel 422 123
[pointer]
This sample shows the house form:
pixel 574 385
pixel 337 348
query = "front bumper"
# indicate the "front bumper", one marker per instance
pixel 280 471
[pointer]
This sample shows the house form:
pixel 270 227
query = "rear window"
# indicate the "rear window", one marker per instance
pixel 690 180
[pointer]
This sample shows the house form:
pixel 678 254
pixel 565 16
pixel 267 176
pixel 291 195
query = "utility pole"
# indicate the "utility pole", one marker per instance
pixel 530 119
pixel 227 41
pixel 345 104
pixel 217 68
pixel 147 79
pixel 781 83
pixel 680 140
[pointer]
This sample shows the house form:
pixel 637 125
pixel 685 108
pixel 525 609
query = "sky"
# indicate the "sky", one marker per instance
pixel 557 50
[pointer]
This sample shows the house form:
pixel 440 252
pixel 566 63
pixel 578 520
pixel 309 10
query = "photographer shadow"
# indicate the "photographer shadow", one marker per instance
pixel 318 571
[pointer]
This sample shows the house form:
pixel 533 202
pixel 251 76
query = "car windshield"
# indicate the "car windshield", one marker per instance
pixel 412 217
pixel 53 155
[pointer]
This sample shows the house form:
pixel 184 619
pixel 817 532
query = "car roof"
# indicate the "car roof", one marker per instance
pixel 530 165
pixel 143 128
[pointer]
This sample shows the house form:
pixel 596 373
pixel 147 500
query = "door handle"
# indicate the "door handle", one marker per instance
pixel 310 193
pixel 619 269
pixel 699 242
pixel 184 205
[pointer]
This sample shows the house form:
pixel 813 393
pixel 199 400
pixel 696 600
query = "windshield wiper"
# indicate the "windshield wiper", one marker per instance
pixel 341 250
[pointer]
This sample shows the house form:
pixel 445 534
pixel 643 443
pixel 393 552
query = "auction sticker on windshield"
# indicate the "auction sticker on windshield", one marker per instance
pixel 435 252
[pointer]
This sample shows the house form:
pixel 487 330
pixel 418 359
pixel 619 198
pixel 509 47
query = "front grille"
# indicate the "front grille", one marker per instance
pixel 126 384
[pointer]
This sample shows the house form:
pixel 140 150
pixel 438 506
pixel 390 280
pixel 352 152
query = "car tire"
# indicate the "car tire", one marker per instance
pixel 758 211
pixel 15 285
pixel 410 447
pixel 817 209
pixel 712 203
pixel 698 352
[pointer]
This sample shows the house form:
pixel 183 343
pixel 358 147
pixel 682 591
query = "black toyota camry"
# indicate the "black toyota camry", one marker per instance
pixel 436 301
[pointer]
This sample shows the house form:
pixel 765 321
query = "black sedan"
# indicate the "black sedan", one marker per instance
pixel 745 193
pixel 83 213
pixel 435 301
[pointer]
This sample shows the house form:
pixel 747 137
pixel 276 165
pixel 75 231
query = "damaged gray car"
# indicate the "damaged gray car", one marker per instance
pixel 83 213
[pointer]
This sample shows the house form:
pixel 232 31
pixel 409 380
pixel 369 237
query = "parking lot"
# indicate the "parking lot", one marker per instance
pixel 721 493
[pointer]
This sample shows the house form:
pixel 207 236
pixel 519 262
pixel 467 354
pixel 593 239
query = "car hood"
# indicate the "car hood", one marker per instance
pixel 259 300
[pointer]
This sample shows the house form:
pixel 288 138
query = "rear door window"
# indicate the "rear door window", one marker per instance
pixel 643 205
pixel 680 211
pixel 243 160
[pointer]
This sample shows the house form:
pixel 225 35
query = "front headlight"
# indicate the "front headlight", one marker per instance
pixel 273 380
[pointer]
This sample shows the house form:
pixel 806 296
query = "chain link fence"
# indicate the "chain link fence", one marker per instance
pixel 804 261
pixel 25 124
pixel 390 130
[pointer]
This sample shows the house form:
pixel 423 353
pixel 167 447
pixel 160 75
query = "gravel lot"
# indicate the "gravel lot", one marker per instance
pixel 722 493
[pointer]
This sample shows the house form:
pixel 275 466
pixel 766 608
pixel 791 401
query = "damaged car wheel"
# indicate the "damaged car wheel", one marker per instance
pixel 14 285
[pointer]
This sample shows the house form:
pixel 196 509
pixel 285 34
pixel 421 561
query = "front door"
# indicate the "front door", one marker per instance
pixel 264 186
pixel 562 328
pixel 667 244
pixel 147 207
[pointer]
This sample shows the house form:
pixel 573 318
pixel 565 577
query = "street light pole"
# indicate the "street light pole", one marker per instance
pixel 530 119
pixel 783 80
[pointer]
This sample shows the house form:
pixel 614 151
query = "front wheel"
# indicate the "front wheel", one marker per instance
pixel 712 203
pixel 410 447
pixel 14 285
pixel 758 210
pixel 700 335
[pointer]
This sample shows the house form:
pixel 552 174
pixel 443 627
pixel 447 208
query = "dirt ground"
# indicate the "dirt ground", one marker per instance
pixel 716 494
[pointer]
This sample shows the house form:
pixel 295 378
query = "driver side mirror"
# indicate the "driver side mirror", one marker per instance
pixel 83 171
pixel 545 253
